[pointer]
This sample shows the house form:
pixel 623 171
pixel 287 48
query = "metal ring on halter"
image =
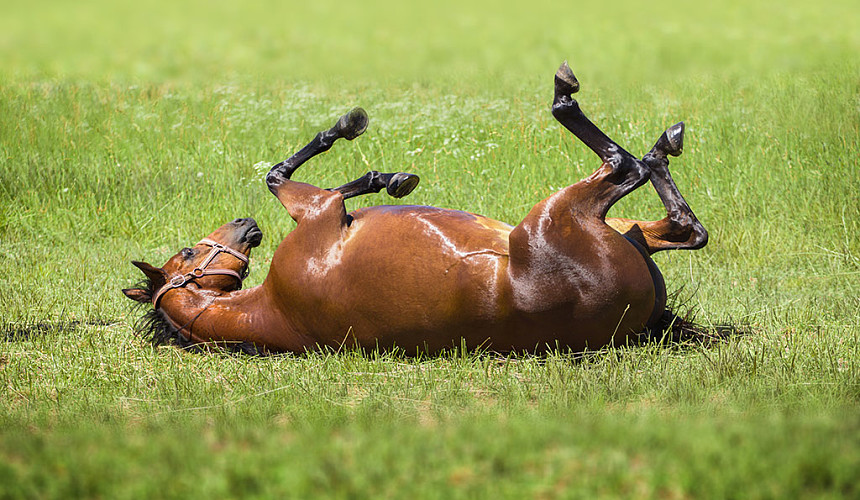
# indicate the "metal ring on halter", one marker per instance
pixel 180 280
pixel 224 248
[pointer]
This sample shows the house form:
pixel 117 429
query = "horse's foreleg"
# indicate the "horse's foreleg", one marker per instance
pixel 349 126
pixel 680 229
pixel 302 200
pixel 398 184
pixel 623 171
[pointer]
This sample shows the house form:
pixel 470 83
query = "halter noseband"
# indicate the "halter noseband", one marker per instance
pixel 180 280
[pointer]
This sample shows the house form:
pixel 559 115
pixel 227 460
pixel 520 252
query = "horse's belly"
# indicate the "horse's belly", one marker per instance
pixel 425 278
pixel 409 276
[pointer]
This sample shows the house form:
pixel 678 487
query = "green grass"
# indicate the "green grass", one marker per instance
pixel 129 132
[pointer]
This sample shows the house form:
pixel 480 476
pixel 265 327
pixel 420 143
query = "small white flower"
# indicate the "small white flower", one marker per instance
pixel 199 174
pixel 261 167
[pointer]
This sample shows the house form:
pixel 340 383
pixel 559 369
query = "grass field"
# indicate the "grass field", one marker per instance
pixel 128 132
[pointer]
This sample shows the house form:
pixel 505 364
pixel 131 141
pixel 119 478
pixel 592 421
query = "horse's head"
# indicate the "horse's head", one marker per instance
pixel 218 262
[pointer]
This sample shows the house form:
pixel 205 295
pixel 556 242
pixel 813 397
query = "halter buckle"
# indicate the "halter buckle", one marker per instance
pixel 178 281
pixel 181 280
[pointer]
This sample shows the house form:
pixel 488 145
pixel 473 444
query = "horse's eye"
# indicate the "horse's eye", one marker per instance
pixel 187 253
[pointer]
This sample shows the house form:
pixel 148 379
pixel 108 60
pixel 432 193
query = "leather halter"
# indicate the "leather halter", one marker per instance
pixel 180 280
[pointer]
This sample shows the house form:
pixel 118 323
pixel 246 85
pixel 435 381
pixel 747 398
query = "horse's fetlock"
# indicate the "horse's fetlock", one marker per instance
pixel 564 106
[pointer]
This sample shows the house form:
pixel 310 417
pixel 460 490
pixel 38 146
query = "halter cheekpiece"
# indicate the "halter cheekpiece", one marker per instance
pixel 180 280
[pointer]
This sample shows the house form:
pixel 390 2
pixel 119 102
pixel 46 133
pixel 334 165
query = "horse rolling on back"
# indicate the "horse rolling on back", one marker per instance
pixel 423 279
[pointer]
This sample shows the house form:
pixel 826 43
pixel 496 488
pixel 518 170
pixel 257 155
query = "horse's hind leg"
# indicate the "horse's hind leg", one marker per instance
pixel 398 184
pixel 622 171
pixel 563 253
pixel 587 201
pixel 680 229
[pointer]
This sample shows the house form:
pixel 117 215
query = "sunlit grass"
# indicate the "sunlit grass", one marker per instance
pixel 127 132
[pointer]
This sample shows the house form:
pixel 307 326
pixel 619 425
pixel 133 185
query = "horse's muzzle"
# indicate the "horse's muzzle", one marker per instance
pixel 252 234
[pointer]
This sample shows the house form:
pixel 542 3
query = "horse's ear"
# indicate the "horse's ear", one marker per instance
pixel 155 274
pixel 138 294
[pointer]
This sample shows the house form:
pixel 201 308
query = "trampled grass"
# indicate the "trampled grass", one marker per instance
pixel 129 132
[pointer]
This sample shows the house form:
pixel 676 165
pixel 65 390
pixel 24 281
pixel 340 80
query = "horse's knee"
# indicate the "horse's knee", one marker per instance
pixel 700 236
pixel 687 229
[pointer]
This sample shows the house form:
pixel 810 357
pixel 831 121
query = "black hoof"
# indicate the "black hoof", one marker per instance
pixel 565 82
pixel 672 140
pixel 402 184
pixel 352 124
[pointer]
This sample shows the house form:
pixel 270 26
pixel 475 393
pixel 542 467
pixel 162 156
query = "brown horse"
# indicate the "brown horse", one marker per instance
pixel 425 279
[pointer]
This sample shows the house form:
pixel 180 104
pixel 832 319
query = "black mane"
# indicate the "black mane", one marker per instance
pixel 155 328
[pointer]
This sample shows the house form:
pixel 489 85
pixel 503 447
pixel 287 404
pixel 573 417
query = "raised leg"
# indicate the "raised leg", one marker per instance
pixel 563 251
pixel 680 229
pixel 349 126
pixel 302 200
pixel 623 171
pixel 398 184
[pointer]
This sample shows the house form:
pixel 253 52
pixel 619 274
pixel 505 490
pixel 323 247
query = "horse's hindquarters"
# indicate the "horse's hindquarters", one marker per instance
pixel 577 283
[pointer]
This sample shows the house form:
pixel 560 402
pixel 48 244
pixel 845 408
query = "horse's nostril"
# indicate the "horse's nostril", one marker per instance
pixel 238 221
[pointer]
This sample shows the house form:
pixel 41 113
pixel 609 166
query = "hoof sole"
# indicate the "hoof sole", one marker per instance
pixel 402 184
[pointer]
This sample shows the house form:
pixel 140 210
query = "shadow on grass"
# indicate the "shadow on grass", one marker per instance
pixel 683 329
pixel 672 331
pixel 678 330
pixel 22 332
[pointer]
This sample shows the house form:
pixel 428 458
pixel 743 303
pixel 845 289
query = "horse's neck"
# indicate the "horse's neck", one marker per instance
pixel 240 316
